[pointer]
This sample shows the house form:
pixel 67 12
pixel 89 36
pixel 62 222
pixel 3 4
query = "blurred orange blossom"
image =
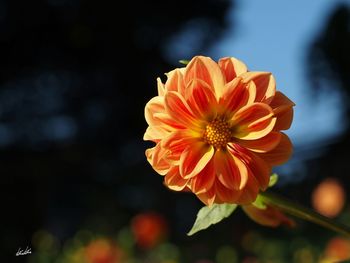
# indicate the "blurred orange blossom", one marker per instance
pixel 270 216
pixel 217 129
pixel 103 251
pixel 328 198
pixel 149 229
pixel 337 249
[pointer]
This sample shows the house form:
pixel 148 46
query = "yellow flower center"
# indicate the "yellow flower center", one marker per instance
pixel 217 133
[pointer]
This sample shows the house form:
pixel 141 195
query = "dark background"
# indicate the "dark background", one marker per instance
pixel 74 79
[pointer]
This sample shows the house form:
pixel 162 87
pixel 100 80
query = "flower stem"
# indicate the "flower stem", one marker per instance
pixel 302 212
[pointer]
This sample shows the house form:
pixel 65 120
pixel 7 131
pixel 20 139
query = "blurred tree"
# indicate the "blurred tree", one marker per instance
pixel 329 67
pixel 329 57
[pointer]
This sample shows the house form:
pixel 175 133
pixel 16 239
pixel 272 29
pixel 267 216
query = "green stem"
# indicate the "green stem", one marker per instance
pixel 302 212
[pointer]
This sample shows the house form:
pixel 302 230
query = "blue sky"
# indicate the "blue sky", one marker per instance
pixel 274 35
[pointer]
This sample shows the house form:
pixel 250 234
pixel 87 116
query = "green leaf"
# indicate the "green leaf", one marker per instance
pixel 273 179
pixel 211 215
pixel 184 61
pixel 259 203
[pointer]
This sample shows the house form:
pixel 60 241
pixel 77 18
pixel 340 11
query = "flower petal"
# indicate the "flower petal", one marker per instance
pixel 161 87
pixel 178 109
pixel 253 121
pixel 232 67
pixel 194 158
pixel 265 85
pixel 262 145
pixel 249 192
pixel 281 153
pixel 237 95
pixel 204 180
pixel 155 133
pixel 204 68
pixel 231 171
pixel 176 143
pixel 156 156
pixel 201 98
pixel 175 81
pixel 257 167
pixel 155 105
pixel 209 197
pixel 167 122
pixel 284 120
pixel 156 116
pixel 174 181
pixel 269 216
pixel 225 195
pixel 283 109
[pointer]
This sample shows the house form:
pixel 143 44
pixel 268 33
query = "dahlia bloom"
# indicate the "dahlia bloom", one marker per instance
pixel 217 129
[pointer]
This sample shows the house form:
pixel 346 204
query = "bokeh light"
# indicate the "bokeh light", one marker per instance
pixel 149 229
pixel 337 249
pixel 102 251
pixel 328 198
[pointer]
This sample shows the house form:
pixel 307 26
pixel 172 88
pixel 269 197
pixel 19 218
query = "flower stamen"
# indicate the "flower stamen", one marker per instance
pixel 217 133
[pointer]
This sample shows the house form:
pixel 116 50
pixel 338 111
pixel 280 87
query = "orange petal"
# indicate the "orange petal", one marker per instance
pixel 155 105
pixel 257 167
pixel 231 172
pixel 225 195
pixel 237 95
pixel 156 157
pixel 265 85
pixel 270 216
pixel 208 197
pixel 284 120
pixel 156 115
pixel 178 109
pixel 175 81
pixel 250 191
pixel 283 109
pixel 176 143
pixel 161 87
pixel 253 121
pixel 232 67
pixel 201 98
pixel 281 153
pixel 204 180
pixel 167 122
pixel 204 68
pixel 174 181
pixel 194 158
pixel 155 133
pixel 262 145
pixel 281 103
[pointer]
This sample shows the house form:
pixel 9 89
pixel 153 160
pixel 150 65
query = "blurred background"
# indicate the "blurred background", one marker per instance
pixel 75 76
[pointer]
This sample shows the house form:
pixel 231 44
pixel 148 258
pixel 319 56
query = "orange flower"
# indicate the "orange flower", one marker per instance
pixel 328 198
pixel 217 129
pixel 149 229
pixel 337 249
pixel 269 216
pixel 103 251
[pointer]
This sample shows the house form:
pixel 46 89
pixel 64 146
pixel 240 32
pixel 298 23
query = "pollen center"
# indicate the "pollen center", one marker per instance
pixel 217 133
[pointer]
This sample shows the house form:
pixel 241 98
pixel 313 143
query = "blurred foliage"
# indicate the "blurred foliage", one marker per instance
pixel 328 65
pixel 124 246
pixel 329 56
